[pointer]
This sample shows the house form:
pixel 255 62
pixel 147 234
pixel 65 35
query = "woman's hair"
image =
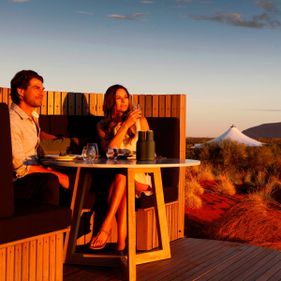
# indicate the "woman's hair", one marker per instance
pixel 109 109
pixel 21 80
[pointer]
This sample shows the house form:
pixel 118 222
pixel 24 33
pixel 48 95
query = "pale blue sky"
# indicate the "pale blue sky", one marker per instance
pixel 225 55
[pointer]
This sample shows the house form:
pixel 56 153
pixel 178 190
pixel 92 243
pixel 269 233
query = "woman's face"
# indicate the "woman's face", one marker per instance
pixel 122 101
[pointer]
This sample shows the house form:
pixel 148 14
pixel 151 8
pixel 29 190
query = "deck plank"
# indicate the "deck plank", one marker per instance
pixel 195 259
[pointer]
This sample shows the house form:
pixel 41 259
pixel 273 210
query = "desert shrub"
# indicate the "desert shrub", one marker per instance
pixel 271 191
pixel 224 185
pixel 205 173
pixel 259 157
pixel 193 190
pixel 255 221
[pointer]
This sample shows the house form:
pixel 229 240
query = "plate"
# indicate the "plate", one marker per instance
pixel 57 157
pixel 131 157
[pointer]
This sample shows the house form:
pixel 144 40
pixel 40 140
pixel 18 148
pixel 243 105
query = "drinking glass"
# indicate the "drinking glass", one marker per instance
pixel 92 151
pixel 112 153
pixel 136 106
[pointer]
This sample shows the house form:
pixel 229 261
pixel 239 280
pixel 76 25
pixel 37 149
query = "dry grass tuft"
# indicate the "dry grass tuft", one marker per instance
pixel 205 173
pixel 224 185
pixel 192 194
pixel 253 220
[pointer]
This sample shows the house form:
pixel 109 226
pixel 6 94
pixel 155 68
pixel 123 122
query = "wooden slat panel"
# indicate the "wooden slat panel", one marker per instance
pixel 25 261
pixel 10 263
pixel 148 106
pixel 59 257
pixel 57 103
pixel 64 103
pixel 86 104
pixel 18 262
pixel 175 104
pixel 135 99
pixel 78 104
pixel 162 106
pixel 155 106
pixel 142 103
pixel 46 258
pixel 1 94
pixel 93 104
pixel 50 102
pixel 99 104
pixel 39 261
pixel 5 97
pixel 3 264
pixel 43 108
pixel 71 103
pixel 167 106
pixel 32 260
pixel 52 257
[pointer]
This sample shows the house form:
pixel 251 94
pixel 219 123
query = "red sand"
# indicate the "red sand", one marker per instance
pixel 198 221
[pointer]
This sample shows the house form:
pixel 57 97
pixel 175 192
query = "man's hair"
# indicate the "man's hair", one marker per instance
pixel 21 80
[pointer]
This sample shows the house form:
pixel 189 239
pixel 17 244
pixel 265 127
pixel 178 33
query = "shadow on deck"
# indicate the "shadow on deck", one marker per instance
pixel 195 259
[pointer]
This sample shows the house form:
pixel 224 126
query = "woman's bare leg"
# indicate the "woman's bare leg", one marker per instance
pixel 122 223
pixel 116 193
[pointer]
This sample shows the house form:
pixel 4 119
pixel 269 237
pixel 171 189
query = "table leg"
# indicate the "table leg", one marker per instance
pixel 160 208
pixel 131 222
pixel 154 255
pixel 80 187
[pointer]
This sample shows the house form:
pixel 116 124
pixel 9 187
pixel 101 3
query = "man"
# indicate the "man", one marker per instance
pixel 32 182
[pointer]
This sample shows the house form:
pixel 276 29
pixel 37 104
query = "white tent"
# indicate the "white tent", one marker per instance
pixel 232 134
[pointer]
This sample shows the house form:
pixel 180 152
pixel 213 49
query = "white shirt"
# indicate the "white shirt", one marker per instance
pixel 25 137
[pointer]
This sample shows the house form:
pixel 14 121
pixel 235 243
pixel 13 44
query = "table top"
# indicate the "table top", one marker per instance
pixel 107 163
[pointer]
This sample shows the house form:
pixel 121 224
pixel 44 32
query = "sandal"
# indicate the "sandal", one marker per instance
pixel 96 239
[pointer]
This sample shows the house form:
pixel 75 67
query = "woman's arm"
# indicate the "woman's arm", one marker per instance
pixel 121 133
pixel 144 124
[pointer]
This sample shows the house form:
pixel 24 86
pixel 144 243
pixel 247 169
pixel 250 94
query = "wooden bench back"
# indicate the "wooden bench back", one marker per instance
pixel 70 103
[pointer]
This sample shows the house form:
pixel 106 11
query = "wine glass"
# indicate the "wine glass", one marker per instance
pixel 92 151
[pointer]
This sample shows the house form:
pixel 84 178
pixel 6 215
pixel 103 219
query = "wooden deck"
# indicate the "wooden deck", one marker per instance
pixel 195 259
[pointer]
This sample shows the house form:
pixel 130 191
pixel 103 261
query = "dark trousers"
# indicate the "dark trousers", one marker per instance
pixel 40 187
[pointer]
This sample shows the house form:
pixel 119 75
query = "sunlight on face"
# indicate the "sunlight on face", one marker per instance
pixel 33 95
pixel 122 100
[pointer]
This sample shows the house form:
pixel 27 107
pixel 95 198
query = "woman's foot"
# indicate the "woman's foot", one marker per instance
pixel 99 241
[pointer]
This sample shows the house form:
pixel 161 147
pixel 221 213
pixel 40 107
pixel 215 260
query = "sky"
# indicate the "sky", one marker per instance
pixel 225 55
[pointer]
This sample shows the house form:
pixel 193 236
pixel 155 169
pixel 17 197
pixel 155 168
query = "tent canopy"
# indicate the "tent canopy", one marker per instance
pixel 232 134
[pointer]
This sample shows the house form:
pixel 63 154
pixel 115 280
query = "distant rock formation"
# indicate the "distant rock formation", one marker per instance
pixel 269 130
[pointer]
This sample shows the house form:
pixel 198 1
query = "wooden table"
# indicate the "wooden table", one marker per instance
pixel 82 181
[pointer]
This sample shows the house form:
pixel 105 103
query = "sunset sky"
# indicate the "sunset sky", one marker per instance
pixel 224 54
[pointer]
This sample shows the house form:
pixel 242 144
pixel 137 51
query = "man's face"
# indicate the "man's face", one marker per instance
pixel 33 95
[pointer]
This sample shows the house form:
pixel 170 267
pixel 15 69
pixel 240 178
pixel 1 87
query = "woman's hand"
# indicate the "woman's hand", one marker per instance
pixel 133 117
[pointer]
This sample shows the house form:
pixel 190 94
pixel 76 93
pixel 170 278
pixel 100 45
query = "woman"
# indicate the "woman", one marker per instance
pixel 119 129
